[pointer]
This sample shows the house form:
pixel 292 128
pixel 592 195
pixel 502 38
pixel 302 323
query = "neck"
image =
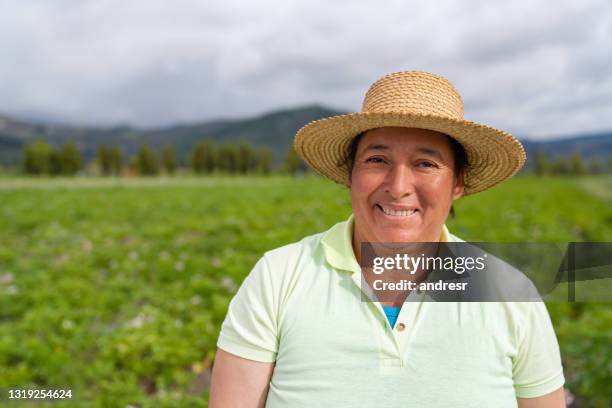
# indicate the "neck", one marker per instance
pixel 417 277
pixel 358 239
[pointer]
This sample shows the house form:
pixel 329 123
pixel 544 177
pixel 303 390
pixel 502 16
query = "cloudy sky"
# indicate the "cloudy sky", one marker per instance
pixel 538 68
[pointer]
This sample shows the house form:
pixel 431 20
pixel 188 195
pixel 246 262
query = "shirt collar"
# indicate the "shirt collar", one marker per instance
pixel 338 245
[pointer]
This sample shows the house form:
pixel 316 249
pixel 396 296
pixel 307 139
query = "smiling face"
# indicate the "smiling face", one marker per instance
pixel 402 185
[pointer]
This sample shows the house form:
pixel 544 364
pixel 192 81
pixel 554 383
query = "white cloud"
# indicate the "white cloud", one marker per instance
pixel 537 68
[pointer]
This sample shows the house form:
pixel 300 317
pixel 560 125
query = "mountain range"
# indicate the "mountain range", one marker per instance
pixel 274 130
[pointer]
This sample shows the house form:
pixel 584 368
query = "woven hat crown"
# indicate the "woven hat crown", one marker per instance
pixel 414 92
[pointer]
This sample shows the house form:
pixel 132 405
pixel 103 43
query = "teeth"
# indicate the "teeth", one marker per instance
pixel 389 211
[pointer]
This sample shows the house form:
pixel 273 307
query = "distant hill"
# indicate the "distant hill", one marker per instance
pixel 275 130
pixel 593 146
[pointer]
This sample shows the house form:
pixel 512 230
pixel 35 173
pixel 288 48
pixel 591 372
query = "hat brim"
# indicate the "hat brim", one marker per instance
pixel 493 155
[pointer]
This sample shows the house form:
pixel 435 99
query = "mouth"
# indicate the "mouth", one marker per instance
pixel 403 213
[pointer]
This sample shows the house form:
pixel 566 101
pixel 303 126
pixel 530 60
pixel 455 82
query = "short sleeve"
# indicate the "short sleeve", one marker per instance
pixel 250 326
pixel 537 368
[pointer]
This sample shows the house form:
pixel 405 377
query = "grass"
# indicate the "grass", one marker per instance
pixel 116 288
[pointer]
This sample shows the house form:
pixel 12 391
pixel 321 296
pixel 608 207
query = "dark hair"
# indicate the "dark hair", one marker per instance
pixel 459 156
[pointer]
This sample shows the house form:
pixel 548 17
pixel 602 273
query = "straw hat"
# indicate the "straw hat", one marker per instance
pixel 418 100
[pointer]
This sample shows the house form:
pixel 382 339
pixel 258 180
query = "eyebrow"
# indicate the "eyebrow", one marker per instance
pixel 375 146
pixel 420 149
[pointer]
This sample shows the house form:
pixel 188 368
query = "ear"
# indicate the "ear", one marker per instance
pixel 459 187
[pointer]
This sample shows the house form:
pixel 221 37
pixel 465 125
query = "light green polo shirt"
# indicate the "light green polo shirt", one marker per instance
pixel 301 307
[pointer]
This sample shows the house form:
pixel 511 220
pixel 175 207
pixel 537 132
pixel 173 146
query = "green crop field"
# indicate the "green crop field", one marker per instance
pixel 116 288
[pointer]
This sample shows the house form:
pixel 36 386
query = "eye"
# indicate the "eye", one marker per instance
pixel 375 159
pixel 426 164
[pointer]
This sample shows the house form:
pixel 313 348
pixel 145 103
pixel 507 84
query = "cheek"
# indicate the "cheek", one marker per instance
pixel 359 198
pixel 363 184
pixel 437 191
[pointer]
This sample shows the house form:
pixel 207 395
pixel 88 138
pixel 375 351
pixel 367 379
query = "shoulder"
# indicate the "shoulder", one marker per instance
pixel 518 298
pixel 291 258
pixel 281 267
pixel 251 326
pixel 293 251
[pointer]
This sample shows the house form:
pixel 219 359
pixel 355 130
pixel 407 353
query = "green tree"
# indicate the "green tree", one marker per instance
pixel 115 160
pixel 198 158
pixel 541 164
pixel 293 163
pixel 246 159
pixel 37 157
pixel 204 158
pixel 264 162
pixel 210 158
pixel 55 162
pixel 146 161
pixel 169 158
pixel 562 166
pixel 596 167
pixel 104 160
pixel 576 164
pixel 227 158
pixel 132 165
pixel 70 159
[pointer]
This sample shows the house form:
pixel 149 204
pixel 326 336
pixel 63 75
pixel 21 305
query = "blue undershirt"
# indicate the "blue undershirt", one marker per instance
pixel 392 312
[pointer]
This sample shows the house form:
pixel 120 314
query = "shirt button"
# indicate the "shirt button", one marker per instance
pixel 400 327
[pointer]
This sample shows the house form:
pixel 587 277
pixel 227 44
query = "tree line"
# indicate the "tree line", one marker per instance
pixel 574 165
pixel 213 158
pixel 205 158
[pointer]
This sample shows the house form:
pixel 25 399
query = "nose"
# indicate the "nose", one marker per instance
pixel 399 181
